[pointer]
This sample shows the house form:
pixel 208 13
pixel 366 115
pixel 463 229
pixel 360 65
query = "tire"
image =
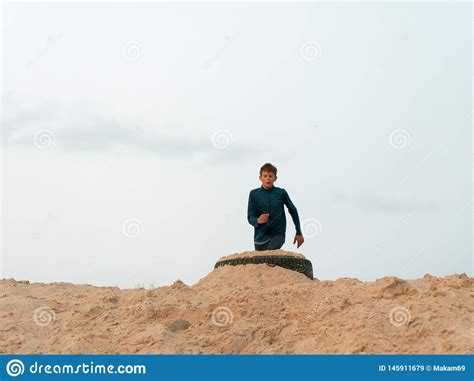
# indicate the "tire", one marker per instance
pixel 302 265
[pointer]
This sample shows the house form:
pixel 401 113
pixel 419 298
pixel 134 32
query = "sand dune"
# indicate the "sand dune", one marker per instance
pixel 241 309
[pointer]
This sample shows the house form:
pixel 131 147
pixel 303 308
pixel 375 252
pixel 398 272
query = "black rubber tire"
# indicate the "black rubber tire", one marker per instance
pixel 302 265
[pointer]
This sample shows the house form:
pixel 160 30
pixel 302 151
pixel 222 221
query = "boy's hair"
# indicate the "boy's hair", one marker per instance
pixel 267 167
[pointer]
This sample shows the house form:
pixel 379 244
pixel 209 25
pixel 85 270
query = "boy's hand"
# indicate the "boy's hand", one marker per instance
pixel 299 239
pixel 263 218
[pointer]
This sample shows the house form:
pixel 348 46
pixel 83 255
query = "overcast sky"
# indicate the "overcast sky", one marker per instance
pixel 133 133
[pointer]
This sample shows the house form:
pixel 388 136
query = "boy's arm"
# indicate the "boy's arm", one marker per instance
pixel 293 212
pixel 252 212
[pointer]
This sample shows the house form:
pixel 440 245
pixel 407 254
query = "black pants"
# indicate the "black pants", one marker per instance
pixel 275 243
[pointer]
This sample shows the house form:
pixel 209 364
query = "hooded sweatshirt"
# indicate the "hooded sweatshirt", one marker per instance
pixel 271 201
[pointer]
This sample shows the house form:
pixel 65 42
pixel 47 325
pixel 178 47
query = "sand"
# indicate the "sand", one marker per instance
pixel 244 254
pixel 241 309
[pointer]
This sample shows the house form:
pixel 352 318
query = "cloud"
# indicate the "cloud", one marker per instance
pixel 373 203
pixel 84 127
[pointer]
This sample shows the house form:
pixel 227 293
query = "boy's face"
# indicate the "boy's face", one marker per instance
pixel 267 179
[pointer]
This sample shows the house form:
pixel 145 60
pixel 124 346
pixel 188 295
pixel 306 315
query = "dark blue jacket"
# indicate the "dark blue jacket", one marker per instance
pixel 271 201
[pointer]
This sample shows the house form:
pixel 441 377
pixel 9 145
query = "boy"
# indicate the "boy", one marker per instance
pixel 266 213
